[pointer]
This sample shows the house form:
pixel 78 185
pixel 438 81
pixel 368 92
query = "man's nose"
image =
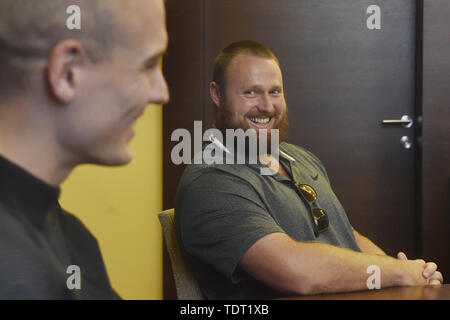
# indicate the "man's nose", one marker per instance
pixel 265 104
pixel 159 90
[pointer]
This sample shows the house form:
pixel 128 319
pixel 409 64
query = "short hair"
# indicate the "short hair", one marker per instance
pixel 29 29
pixel 224 58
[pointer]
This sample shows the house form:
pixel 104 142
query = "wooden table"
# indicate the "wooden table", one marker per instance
pixel 440 292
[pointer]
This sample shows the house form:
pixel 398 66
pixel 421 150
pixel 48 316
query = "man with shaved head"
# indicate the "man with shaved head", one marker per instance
pixel 67 97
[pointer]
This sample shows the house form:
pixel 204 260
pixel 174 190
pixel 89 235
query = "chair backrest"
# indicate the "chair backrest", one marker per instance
pixel 187 287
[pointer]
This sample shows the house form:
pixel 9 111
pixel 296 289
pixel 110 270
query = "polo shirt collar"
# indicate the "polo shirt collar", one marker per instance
pixel 294 170
pixel 26 194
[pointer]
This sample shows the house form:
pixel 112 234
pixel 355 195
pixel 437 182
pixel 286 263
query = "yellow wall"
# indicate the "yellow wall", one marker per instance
pixel 120 205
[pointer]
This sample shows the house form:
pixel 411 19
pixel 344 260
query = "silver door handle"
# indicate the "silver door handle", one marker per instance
pixel 405 121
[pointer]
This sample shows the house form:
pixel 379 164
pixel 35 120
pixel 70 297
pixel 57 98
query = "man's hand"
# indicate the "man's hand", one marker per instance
pixel 430 272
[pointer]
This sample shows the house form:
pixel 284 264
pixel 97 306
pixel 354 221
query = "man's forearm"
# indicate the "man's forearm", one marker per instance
pixel 332 269
pixel 312 267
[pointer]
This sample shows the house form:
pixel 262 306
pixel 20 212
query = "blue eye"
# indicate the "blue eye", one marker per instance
pixel 276 91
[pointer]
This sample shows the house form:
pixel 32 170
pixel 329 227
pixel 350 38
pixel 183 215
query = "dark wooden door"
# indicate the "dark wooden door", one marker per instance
pixel 344 72
pixel 434 103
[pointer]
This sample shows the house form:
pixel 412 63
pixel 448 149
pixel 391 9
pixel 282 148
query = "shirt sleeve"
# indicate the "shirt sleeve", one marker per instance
pixel 219 217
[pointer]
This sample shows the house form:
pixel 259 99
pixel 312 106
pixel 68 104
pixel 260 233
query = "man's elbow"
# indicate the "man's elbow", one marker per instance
pixel 295 281
pixel 305 286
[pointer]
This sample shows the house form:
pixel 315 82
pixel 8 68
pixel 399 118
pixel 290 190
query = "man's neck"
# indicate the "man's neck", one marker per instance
pixel 28 142
pixel 37 164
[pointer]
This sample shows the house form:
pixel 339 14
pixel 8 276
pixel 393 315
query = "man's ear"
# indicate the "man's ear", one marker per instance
pixel 214 92
pixel 62 69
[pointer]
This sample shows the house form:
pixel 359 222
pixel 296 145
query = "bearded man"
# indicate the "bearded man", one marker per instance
pixel 251 236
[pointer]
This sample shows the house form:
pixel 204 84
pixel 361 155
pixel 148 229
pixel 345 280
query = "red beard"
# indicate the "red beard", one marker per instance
pixel 223 121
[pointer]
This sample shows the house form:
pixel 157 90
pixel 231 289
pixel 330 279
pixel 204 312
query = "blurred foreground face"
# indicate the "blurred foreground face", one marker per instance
pixel 254 95
pixel 112 94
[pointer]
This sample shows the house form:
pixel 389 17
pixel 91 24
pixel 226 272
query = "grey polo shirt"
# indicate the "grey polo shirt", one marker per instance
pixel 223 209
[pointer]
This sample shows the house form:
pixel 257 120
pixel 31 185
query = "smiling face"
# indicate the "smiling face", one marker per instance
pixel 98 126
pixel 254 96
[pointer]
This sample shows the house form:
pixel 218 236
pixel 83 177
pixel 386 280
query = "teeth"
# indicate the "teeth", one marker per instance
pixel 260 120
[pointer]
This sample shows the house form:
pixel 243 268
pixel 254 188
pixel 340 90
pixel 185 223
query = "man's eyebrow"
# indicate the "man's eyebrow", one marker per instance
pixel 154 59
pixel 251 86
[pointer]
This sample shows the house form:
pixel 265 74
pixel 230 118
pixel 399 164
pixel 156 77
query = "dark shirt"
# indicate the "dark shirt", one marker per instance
pixel 39 241
pixel 223 209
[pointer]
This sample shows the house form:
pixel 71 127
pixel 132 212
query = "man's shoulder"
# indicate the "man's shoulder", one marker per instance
pixel 25 272
pixel 214 172
pixel 14 233
pixel 76 231
pixel 295 150
pixel 74 222
pixel 300 153
pixel 215 180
